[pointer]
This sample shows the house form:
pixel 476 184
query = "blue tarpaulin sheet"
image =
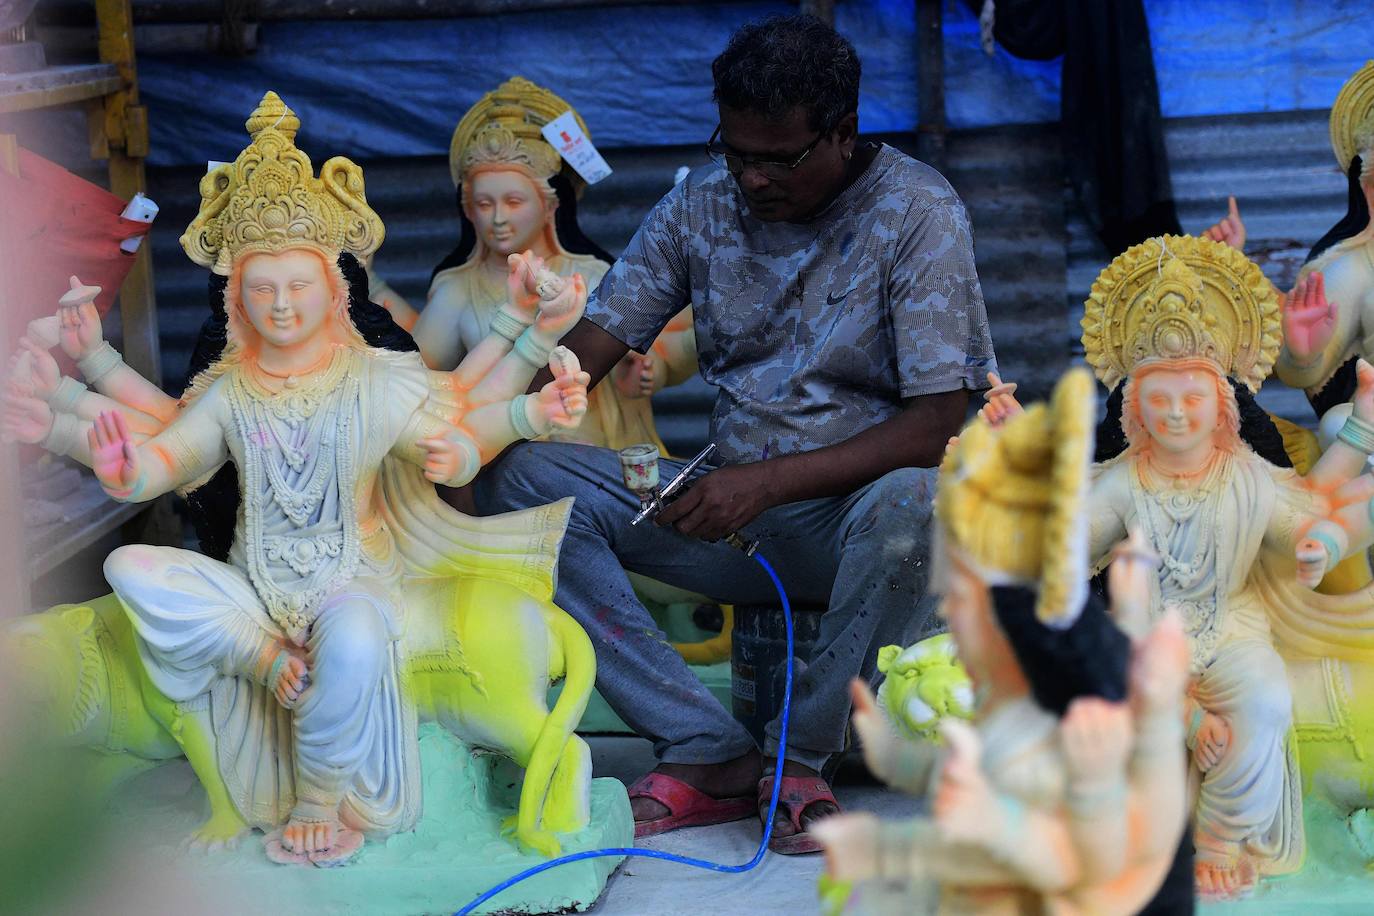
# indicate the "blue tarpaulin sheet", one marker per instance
pixel 641 76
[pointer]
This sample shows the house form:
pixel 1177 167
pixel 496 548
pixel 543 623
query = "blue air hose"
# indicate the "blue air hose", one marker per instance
pixel 668 856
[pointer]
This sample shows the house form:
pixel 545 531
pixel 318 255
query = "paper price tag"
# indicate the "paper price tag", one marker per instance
pixel 564 135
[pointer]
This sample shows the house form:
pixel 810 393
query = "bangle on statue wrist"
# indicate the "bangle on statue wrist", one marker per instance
pixel 1333 551
pixel 1357 434
pixel 99 363
pixel 518 419
pixel 532 350
pixel 506 325
pixel 64 397
pixel 63 435
pixel 1194 723
pixel 274 672
pixel 132 493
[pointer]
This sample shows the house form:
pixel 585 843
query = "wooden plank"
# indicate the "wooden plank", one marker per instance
pixel 14 584
pixel 126 130
pixel 57 86
pixel 932 128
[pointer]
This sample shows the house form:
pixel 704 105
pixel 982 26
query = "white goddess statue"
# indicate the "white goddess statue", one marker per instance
pixel 1184 330
pixel 289 654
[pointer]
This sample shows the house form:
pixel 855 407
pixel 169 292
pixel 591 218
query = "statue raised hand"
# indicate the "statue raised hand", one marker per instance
pixel 1230 229
pixel 1309 320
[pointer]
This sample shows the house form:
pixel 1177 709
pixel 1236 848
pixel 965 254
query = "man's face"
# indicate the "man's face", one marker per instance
pixel 807 187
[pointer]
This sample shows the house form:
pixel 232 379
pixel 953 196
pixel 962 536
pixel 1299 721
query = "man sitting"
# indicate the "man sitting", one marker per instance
pixel 838 311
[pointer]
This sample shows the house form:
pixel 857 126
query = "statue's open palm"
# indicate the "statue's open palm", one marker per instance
pixel 113 455
pixel 34 369
pixel 25 418
pixel 1309 321
pixel 79 330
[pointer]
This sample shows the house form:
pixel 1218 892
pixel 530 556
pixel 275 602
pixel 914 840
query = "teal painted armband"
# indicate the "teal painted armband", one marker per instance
pixel 1357 434
pixel 519 420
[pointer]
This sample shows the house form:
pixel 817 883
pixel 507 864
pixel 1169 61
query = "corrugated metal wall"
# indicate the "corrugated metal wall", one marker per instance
pixel 1036 256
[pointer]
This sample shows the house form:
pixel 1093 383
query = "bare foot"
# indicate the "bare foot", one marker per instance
pixel 730 779
pixel 1225 880
pixel 813 812
pixel 309 836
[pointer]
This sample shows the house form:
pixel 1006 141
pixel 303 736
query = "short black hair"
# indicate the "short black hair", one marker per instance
pixel 784 62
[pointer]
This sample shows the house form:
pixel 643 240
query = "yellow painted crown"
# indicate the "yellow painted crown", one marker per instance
pixel 268 199
pixel 1014 499
pixel 1352 118
pixel 1177 297
pixel 503 128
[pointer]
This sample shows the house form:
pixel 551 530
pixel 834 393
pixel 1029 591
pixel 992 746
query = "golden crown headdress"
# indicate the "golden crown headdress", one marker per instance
pixel 1352 118
pixel 504 128
pixel 1014 499
pixel 268 199
pixel 1176 297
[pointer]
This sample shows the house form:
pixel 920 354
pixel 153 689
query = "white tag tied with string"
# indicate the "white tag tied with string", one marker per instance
pixel 565 135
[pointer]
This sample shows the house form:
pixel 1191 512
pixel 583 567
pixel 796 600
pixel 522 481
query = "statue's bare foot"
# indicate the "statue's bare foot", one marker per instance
pixel 1225 880
pixel 221 831
pixel 319 842
pixel 309 836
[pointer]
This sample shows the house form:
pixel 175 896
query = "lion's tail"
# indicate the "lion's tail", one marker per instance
pixel 579 669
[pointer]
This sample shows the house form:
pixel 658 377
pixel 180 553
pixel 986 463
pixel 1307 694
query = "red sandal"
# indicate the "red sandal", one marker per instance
pixel 687 806
pixel 796 795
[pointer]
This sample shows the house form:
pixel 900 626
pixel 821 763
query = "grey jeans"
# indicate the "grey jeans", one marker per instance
pixel 864 556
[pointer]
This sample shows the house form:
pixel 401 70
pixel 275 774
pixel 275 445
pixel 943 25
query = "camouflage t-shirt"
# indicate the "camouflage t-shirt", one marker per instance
pixel 816 331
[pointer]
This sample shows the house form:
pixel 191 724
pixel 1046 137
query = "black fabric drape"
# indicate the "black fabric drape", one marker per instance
pixel 1113 133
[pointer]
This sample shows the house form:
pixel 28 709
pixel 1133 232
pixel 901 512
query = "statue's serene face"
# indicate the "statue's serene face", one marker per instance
pixel 507 210
pixel 287 297
pixel 1179 408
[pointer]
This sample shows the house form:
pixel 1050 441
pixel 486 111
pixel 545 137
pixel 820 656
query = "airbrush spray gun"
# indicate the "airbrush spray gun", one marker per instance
pixel 639 469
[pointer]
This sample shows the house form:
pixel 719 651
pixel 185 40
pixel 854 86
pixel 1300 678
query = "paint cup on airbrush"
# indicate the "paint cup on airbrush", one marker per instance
pixel 639 470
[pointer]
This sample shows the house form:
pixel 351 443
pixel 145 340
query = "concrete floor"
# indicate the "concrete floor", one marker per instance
pixel 779 884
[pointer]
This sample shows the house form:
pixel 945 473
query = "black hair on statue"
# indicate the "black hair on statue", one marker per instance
pixel 570 234
pixel 1356 217
pixel 1339 389
pixel 214 505
pixel 1257 428
pixel 1090 658
pixel 786 62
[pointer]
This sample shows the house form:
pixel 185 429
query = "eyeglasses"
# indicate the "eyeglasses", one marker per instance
pixel 772 169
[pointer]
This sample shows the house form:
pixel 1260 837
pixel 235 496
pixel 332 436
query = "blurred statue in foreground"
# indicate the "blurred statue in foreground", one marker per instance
pixel 1068 793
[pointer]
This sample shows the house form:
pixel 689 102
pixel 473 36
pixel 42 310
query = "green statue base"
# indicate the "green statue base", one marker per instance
pixel 455 853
